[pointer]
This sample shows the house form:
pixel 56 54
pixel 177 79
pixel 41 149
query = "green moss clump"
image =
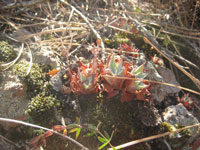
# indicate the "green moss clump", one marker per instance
pixel 184 133
pixel 167 127
pixel 139 42
pixel 7 53
pixel 116 40
pixel 35 80
pixel 175 139
pixel 42 106
pixel 43 97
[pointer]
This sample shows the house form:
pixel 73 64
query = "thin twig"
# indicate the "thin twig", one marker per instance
pixel 151 81
pixel 153 137
pixel 31 59
pixel 8 65
pixel 43 128
pixel 195 80
pixel 27 36
pixel 127 12
pixel 90 26
pixel 167 144
pixel 22 4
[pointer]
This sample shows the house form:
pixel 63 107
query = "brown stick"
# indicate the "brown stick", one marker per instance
pixel 153 137
pixel 195 80
pixel 22 4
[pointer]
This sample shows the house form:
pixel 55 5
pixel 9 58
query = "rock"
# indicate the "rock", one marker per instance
pixel 150 116
pixel 13 98
pixel 160 91
pixel 45 57
pixel 56 81
pixel 179 115
pixel 168 77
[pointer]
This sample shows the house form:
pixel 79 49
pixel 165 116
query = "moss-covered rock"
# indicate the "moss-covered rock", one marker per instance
pixel 42 106
pixel 35 80
pixel 164 126
pixel 7 53
pixel 175 139
pixel 44 100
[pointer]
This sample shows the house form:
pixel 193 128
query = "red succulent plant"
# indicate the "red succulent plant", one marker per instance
pixel 186 100
pixel 114 67
pixel 85 80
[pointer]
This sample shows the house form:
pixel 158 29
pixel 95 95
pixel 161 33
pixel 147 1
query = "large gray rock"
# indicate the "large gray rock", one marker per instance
pixel 160 91
pixel 179 115
pixel 13 98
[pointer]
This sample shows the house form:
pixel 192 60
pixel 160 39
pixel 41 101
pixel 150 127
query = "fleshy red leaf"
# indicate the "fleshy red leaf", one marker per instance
pixel 53 72
pixel 126 97
pixel 34 141
pixel 112 94
pixel 47 134
pixel 58 127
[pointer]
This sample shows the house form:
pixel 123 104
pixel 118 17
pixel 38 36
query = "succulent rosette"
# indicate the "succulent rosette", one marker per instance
pixel 114 68
pixel 136 86
pixel 84 81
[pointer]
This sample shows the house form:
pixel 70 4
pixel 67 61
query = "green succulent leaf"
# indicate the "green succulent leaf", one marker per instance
pixel 141 75
pixel 112 64
pixel 86 81
pixel 140 85
pixel 139 72
pixel 71 126
pixel 82 77
pixel 116 68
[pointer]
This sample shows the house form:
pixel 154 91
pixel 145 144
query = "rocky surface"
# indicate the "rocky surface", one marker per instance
pixel 160 91
pixel 179 116
pixel 45 57
pixel 13 98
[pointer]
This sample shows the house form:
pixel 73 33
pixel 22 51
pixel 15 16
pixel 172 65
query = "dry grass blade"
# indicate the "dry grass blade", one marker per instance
pixel 127 12
pixel 90 26
pixel 195 80
pixel 43 128
pixel 152 137
pixel 181 58
pixel 22 4
pixel 31 60
pixel 28 36
pixel 8 65
pixel 156 82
